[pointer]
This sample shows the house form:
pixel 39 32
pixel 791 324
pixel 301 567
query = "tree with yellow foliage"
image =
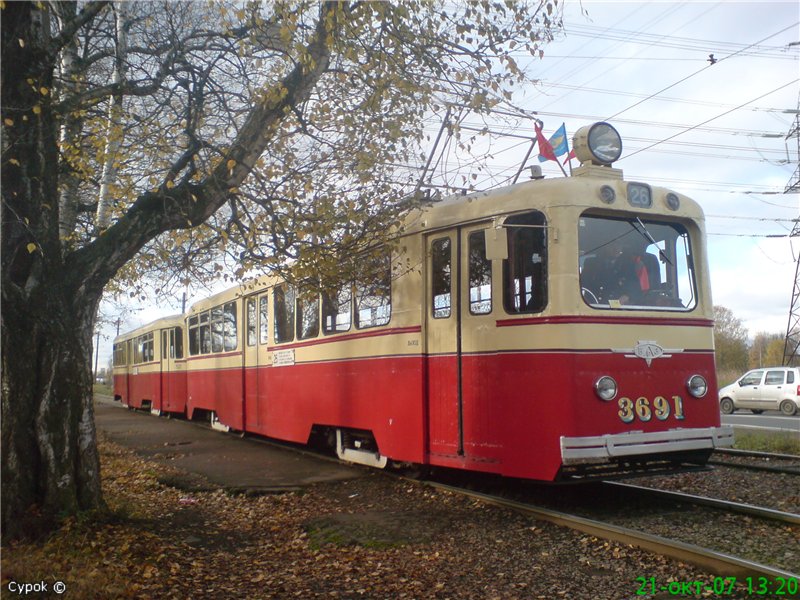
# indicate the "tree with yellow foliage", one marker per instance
pixel 152 136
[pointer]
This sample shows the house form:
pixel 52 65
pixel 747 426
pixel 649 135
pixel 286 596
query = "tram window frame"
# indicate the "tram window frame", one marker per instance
pixel 307 312
pixel 373 293
pixel 194 335
pixel 252 322
pixel 230 327
pixel 213 331
pixel 177 350
pixel 120 356
pixel 284 313
pixel 217 329
pixel 442 278
pixel 479 273
pixel 671 260
pixel 334 319
pixel 263 319
pixel 205 332
pixel 144 350
pixel 523 279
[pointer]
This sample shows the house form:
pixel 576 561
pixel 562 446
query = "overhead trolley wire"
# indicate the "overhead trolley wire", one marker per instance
pixel 712 118
pixel 793 26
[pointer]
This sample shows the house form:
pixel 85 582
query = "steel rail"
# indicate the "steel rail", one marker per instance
pixel 756 454
pixel 738 507
pixel 765 468
pixel 711 560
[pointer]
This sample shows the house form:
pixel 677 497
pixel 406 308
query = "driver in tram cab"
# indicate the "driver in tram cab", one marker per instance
pixel 623 271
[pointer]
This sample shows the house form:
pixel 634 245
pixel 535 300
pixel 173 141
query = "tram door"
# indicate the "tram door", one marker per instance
pixel 171 388
pixel 255 340
pixel 458 314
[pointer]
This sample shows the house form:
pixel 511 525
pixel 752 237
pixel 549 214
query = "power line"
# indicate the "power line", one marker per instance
pixel 712 63
pixel 713 118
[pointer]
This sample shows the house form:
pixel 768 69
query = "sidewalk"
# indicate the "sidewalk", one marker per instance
pixel 245 465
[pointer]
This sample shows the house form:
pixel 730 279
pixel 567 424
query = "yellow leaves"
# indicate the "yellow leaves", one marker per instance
pixel 230 164
pixel 37 110
pixel 31 248
pixel 14 161
pixel 8 122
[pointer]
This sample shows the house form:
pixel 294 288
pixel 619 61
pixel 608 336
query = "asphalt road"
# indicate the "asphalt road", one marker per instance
pixel 769 421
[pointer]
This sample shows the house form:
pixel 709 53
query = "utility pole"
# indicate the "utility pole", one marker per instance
pixel 792 342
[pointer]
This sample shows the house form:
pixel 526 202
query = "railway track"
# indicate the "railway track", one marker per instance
pixel 792 469
pixel 706 558
pixel 734 507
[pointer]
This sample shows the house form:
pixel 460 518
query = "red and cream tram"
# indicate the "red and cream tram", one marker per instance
pixel 149 366
pixel 503 348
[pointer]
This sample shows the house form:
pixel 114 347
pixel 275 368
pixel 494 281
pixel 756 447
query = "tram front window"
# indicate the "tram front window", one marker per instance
pixel 635 264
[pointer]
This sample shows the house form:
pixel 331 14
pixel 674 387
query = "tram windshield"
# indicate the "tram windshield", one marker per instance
pixel 635 264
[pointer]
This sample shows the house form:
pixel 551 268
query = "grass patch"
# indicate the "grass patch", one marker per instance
pixel 103 389
pixel 783 442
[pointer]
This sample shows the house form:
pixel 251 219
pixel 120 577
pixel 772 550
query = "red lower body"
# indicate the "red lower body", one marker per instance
pixel 514 407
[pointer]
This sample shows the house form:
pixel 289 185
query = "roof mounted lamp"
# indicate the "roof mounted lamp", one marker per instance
pixel 598 144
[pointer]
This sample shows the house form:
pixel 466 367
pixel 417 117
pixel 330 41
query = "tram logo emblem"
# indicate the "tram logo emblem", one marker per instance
pixel 647 350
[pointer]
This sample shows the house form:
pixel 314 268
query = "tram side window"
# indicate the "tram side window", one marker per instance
pixel 525 269
pixel 144 349
pixel 217 326
pixel 205 333
pixel 480 275
pixel 307 315
pixel 283 301
pixel 229 328
pixel 337 310
pixel 263 320
pixel 120 358
pixel 176 341
pixel 374 294
pixel 251 322
pixel 194 336
pixel 441 278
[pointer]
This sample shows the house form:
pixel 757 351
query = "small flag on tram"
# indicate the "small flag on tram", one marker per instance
pixel 555 146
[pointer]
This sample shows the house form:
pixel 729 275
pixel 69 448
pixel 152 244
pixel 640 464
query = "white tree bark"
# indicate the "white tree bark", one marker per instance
pixel 114 133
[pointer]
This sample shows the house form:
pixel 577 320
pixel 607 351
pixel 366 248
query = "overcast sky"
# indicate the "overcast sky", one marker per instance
pixel 716 132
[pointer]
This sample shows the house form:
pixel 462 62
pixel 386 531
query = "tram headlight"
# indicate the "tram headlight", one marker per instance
pixel 697 386
pixel 599 144
pixel 605 388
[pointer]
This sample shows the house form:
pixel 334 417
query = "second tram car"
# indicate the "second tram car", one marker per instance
pixel 549 330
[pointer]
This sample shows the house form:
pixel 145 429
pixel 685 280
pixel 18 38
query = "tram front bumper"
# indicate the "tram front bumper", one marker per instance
pixel 576 449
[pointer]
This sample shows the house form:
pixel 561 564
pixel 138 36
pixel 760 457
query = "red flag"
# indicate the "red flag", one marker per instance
pixel 570 156
pixel 545 147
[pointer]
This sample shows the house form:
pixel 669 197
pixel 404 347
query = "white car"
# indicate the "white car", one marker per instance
pixel 772 388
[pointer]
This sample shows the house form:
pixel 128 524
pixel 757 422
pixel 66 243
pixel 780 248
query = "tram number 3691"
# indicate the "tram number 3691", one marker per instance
pixel 642 408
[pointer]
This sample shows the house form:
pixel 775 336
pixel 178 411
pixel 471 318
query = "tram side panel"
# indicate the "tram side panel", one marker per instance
pixel 339 385
pixel 215 383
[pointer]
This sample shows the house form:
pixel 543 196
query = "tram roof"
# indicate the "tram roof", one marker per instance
pixel 160 323
pixel 544 194
pixel 245 288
